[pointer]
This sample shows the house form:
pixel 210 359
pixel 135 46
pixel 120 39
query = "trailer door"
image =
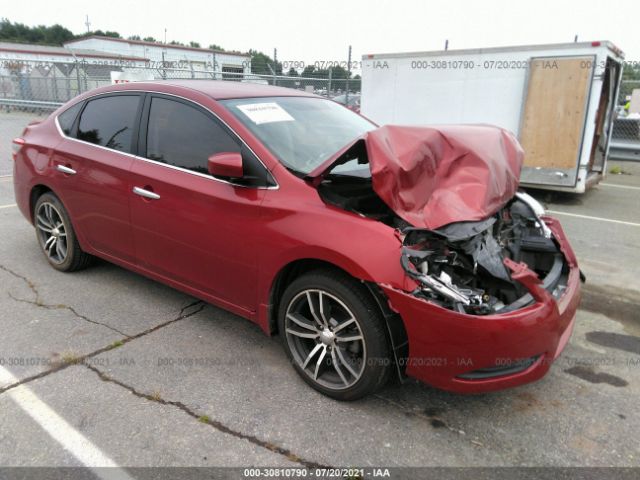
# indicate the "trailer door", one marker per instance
pixel 553 119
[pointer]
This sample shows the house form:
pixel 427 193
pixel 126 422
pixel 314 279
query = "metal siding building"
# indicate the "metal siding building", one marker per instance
pixel 197 58
pixel 43 53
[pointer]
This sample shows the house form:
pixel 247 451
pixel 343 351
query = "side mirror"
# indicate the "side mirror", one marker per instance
pixel 225 164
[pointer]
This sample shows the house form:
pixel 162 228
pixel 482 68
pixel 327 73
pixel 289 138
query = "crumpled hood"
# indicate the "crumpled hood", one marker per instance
pixel 433 176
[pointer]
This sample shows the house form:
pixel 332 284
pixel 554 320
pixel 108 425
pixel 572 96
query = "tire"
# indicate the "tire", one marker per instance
pixel 56 236
pixel 350 368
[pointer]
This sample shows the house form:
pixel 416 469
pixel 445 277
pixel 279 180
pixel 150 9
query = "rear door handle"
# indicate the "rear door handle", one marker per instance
pixel 67 170
pixel 146 193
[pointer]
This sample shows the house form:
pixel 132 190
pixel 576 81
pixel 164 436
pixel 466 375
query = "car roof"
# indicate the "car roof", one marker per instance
pixel 218 89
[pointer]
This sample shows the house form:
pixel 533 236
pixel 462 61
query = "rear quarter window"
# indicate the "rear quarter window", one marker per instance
pixel 67 118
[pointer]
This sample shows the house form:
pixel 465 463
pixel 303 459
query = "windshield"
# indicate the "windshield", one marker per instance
pixel 302 132
pixel 354 100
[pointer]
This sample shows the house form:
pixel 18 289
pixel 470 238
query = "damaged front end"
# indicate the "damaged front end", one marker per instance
pixel 462 267
pixel 452 191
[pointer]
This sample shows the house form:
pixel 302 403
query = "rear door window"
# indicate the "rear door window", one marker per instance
pixel 109 121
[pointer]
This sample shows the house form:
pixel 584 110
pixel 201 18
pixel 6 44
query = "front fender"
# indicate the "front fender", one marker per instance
pixel 364 248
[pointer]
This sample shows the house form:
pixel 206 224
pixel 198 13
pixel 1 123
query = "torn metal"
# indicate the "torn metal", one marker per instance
pixel 452 193
pixel 462 265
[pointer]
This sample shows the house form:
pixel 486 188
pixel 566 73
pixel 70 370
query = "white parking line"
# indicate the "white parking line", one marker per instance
pixel 630 187
pixel 11 205
pixel 61 431
pixel 587 217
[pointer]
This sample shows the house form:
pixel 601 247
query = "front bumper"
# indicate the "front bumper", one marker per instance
pixel 471 354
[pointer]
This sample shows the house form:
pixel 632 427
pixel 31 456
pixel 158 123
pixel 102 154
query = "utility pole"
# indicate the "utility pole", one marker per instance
pixel 164 49
pixel 88 24
pixel 446 44
pixel 275 65
pixel 346 97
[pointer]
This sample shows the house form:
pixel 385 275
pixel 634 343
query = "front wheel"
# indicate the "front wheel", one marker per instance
pixel 334 334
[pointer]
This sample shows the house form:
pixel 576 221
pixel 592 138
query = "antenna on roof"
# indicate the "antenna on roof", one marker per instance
pixel 88 24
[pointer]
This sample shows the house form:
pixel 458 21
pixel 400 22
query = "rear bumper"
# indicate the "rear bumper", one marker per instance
pixel 472 354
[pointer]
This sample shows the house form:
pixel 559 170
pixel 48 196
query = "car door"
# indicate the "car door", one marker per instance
pixel 188 226
pixel 91 170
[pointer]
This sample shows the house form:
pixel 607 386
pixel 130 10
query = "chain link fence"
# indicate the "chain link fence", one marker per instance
pixel 30 90
pixel 45 85
pixel 627 120
pixel 625 136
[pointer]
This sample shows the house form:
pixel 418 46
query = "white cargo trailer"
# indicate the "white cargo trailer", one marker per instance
pixel 559 100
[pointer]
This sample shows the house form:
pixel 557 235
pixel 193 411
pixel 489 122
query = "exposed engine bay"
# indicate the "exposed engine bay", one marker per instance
pixel 459 266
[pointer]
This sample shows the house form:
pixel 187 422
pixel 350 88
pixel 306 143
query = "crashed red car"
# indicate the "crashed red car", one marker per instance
pixel 371 251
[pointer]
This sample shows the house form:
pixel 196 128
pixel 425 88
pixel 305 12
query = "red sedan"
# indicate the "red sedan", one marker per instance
pixel 371 251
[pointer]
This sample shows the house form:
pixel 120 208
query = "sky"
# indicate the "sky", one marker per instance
pixel 322 31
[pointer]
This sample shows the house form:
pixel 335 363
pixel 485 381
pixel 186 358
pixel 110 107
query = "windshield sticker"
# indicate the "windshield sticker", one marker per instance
pixel 260 113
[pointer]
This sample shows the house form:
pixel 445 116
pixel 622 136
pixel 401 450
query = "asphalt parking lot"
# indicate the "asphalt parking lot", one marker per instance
pixel 142 375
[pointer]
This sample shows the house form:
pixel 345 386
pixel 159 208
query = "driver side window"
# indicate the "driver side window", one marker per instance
pixel 185 136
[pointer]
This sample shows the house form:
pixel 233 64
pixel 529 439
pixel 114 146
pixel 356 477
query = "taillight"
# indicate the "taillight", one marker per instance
pixel 15 146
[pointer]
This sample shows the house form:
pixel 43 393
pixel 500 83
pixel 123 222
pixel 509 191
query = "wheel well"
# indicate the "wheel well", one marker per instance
pixel 287 275
pixel 36 192
pixel 395 326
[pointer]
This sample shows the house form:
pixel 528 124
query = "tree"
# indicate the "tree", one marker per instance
pixel 150 39
pixel 213 46
pixel 107 33
pixel 309 71
pixel 41 34
pixel 194 44
pixel 175 42
pixel 339 73
pixel 630 81
pixel 261 62
pixel 133 37
pixel 631 72
pixel 57 35
pixel 293 72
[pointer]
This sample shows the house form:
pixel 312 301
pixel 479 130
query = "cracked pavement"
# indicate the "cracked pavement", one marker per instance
pixel 154 377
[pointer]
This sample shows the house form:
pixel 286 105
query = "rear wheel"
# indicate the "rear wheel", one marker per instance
pixel 56 236
pixel 334 334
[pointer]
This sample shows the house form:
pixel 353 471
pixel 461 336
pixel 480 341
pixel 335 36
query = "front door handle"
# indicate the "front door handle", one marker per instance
pixel 146 193
pixel 67 170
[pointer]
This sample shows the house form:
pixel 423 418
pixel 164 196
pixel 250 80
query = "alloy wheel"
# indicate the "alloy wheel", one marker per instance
pixel 325 339
pixel 52 232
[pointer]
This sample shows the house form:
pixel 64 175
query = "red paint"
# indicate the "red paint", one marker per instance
pixel 444 344
pixel 227 164
pixel 227 244
pixel 432 176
